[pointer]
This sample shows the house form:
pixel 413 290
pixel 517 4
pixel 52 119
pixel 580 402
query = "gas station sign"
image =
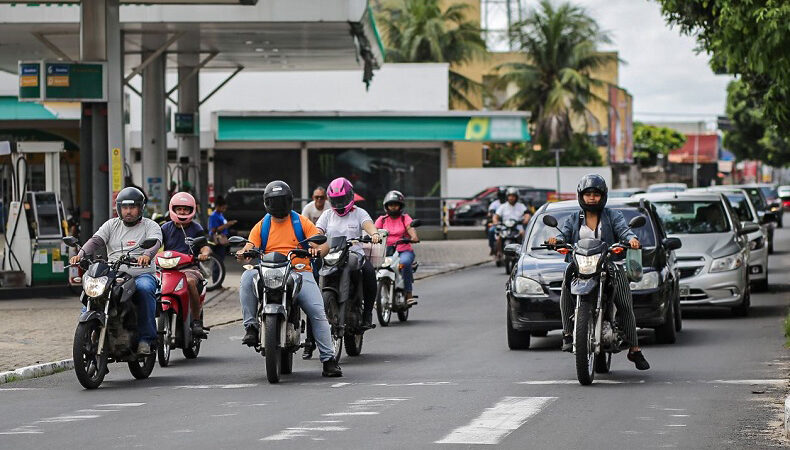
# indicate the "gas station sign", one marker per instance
pixel 30 81
pixel 63 81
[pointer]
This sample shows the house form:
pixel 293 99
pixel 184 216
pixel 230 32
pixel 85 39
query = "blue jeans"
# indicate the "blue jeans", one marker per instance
pixel 309 299
pixel 145 300
pixel 407 258
pixel 491 236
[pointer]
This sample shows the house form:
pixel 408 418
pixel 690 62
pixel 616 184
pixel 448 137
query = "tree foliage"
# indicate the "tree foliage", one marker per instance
pixel 580 151
pixel 555 82
pixel 419 31
pixel 651 141
pixel 746 37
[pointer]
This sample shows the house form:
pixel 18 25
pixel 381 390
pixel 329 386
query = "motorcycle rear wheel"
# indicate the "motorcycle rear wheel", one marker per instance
pixel 585 353
pixel 89 367
pixel 193 350
pixel 384 304
pixel 272 349
pixel 142 368
pixel 286 362
pixel 163 330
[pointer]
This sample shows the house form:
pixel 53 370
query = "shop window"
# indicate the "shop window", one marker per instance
pixel 256 168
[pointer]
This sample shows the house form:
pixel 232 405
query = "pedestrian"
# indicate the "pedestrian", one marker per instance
pixel 317 206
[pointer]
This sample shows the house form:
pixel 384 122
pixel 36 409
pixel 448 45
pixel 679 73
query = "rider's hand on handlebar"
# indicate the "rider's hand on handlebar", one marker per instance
pixel 202 257
pixel 634 243
pixel 240 256
pixel 143 260
pixel 75 260
pixel 314 251
pixel 376 238
pixel 551 241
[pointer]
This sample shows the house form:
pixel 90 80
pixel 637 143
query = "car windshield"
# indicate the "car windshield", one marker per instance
pixel 741 207
pixel 645 234
pixel 693 217
pixel 769 192
pixel 757 199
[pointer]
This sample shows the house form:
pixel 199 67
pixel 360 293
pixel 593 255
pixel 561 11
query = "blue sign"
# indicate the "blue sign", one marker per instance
pixel 58 69
pixel 30 69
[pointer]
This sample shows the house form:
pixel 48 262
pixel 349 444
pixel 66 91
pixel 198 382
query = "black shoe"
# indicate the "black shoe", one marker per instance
pixel 197 328
pixel 567 344
pixel 367 320
pixel 332 368
pixel 309 348
pixel 639 360
pixel 251 336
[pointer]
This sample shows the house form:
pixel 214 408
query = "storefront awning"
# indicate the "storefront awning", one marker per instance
pixel 374 126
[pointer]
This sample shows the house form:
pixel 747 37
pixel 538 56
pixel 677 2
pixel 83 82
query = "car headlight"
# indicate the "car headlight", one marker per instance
pixel 649 281
pixel 273 278
pixel 94 287
pixel 168 263
pixel 756 244
pixel 387 262
pixel 587 264
pixel 726 263
pixel 528 286
pixel 332 258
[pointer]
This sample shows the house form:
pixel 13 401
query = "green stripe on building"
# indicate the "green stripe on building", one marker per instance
pixel 12 109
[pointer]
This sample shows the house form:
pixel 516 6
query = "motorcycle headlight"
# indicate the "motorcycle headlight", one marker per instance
pixel 727 263
pixel 168 263
pixel 387 262
pixel 273 278
pixel 528 286
pixel 757 244
pixel 649 281
pixel 332 258
pixel 587 264
pixel 510 223
pixel 94 287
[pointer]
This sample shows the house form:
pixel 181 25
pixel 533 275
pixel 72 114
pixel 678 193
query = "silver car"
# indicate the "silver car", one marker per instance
pixel 713 261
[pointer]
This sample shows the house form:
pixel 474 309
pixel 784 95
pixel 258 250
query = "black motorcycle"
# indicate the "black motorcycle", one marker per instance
pixel 341 288
pixel 507 233
pixel 595 333
pixel 277 285
pixel 107 329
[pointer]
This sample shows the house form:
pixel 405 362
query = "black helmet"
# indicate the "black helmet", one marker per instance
pixel 278 199
pixel 130 196
pixel 501 194
pixel 394 197
pixel 511 191
pixel 592 182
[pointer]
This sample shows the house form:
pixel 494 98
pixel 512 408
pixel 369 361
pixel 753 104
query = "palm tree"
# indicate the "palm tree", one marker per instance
pixel 419 31
pixel 555 81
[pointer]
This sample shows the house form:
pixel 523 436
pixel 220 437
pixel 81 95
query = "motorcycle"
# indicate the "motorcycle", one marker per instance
pixel 277 285
pixel 343 299
pixel 107 328
pixel 595 333
pixel 506 233
pixel 174 323
pixel 390 295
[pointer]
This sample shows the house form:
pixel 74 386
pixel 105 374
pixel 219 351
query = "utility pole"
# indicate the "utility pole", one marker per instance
pixel 696 154
pixel 557 152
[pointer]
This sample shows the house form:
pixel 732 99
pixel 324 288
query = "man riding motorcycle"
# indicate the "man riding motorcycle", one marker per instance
pixel 398 224
pixel 174 233
pixel 281 237
pixel 501 194
pixel 595 221
pixel 512 209
pixel 345 219
pixel 118 235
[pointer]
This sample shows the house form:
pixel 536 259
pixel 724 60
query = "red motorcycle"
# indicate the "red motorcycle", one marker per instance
pixel 174 321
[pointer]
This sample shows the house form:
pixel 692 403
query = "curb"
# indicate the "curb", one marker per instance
pixel 787 417
pixel 36 371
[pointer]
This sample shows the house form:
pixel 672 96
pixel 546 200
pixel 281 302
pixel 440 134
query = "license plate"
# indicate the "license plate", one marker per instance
pixel 685 291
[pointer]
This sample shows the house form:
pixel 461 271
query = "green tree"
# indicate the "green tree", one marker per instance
pixel 419 31
pixel 651 141
pixel 745 37
pixel 580 151
pixel 555 81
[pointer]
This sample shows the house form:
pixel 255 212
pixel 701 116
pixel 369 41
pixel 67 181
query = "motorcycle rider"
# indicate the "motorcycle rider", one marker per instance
pixel 512 209
pixel 120 233
pixel 398 224
pixel 345 219
pixel 595 221
pixel 182 211
pixel 278 200
pixel 501 194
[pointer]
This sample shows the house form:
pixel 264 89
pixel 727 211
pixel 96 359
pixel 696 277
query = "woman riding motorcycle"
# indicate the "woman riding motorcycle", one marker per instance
pixel 594 221
pixel 345 219
pixel 398 224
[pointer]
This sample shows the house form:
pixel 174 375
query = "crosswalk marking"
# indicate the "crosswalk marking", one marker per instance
pixel 498 421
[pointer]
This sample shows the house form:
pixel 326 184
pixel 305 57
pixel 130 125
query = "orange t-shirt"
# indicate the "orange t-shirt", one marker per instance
pixel 282 238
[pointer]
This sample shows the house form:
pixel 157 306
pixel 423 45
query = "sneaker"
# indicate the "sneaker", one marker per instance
pixel 332 368
pixel 309 348
pixel 567 344
pixel 144 349
pixel 251 336
pixel 639 360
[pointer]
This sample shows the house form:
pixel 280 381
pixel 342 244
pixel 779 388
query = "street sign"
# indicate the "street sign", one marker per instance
pixel 186 124
pixel 29 80
pixel 75 81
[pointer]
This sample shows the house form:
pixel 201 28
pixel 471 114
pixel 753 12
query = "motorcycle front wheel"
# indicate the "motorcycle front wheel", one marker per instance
pixel 142 368
pixel 272 348
pixel 89 367
pixel 403 314
pixel 353 344
pixel 384 304
pixel 330 306
pixel 163 329
pixel 585 352
pixel 214 271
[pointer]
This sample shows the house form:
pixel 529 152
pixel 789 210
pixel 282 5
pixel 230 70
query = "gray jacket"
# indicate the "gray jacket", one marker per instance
pixel 613 227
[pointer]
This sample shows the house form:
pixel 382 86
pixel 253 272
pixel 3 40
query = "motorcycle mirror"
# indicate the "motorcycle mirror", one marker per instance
pixel 199 242
pixel 512 250
pixel 149 243
pixel 415 223
pixel 318 239
pixel 550 221
pixel 237 240
pixel 70 241
pixel 637 221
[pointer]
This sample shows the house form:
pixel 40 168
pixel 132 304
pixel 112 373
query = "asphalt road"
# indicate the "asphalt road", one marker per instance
pixel 445 379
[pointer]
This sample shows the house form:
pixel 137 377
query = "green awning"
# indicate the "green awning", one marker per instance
pixel 12 109
pixel 451 127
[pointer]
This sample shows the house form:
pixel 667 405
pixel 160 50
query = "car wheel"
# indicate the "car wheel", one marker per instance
pixel 771 243
pixel 516 340
pixel 742 310
pixel 678 316
pixel 543 333
pixel 665 334
pixel 761 285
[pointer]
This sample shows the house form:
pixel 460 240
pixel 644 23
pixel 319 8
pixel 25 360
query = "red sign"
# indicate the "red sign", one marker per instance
pixel 707 146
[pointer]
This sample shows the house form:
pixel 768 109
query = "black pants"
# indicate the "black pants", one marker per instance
pixel 355 262
pixel 621 295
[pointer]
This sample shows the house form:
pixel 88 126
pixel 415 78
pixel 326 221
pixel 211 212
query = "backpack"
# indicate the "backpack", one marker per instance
pixel 296 223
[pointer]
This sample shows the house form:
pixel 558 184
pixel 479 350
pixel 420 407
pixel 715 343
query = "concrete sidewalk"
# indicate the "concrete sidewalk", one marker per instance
pixel 38 330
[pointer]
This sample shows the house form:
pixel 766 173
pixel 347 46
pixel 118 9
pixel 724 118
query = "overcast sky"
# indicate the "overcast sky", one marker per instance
pixel 661 69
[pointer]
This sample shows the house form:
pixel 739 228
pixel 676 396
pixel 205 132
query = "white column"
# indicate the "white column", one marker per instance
pixel 305 188
pixel 154 139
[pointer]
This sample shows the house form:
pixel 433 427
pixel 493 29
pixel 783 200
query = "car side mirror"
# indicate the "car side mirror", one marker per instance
pixel 637 221
pixel 415 223
pixel 318 239
pixel 149 243
pixel 71 241
pixel 550 221
pixel 512 250
pixel 672 243
pixel 748 228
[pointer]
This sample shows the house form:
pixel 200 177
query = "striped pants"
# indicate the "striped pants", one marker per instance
pixel 621 291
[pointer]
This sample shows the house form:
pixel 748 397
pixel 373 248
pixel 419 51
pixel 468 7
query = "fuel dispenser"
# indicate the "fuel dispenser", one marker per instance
pixel 33 246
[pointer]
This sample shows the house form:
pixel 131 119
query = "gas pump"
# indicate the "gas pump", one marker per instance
pixel 34 231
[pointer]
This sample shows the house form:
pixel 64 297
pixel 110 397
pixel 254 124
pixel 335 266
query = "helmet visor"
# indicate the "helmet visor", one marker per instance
pixel 340 202
pixel 278 206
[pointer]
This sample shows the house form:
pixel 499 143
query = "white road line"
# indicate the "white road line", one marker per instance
pixel 769 382
pixel 351 413
pixel 327 428
pixel 119 405
pixel 498 421
pixel 215 386
pixel 549 382
pixel 421 383
pixel 25 429
pixel 19 389
pixel 74 418
pixel 337 385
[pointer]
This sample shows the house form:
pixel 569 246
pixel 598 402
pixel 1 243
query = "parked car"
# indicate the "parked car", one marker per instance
pixel 625 192
pixel 772 197
pixel 784 196
pixel 743 207
pixel 534 287
pixel 713 261
pixel 667 187
pixel 474 210
pixel 764 212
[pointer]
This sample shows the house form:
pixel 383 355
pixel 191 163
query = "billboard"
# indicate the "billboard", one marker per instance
pixel 621 126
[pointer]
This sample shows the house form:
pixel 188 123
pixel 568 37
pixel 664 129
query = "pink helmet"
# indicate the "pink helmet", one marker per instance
pixel 341 196
pixel 182 199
